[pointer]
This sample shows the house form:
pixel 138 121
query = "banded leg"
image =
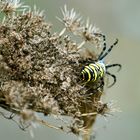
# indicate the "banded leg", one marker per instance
pixel 104 44
pixel 114 65
pixel 111 47
pixel 114 78
pixel 101 84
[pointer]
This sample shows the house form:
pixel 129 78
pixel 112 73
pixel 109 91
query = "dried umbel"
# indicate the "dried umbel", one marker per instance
pixel 40 70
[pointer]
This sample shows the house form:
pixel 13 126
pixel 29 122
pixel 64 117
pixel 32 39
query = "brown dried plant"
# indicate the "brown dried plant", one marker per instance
pixel 39 69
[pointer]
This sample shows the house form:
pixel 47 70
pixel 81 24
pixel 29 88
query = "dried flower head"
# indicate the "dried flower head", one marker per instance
pixel 38 12
pixel 89 33
pixel 40 70
pixel 73 22
pixel 10 6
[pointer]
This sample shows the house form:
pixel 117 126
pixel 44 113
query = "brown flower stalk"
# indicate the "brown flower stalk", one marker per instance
pixel 39 69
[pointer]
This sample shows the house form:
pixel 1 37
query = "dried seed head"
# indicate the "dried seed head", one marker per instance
pixel 71 20
pixel 10 6
pixel 40 70
pixel 37 12
pixel 89 33
pixel 73 23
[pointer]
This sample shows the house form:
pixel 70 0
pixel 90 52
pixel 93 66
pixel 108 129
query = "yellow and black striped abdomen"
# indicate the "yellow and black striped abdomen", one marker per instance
pixel 92 72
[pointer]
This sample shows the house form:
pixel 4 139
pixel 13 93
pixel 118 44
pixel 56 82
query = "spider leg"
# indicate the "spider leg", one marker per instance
pixel 114 65
pixel 111 47
pixel 104 44
pixel 101 84
pixel 114 78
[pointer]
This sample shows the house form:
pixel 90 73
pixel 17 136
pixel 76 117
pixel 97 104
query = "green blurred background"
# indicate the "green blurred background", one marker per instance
pixel 117 19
